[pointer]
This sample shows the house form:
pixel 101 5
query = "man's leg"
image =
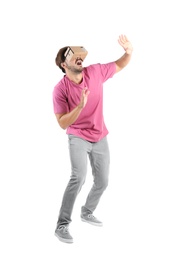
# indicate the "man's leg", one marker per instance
pixel 100 161
pixel 78 149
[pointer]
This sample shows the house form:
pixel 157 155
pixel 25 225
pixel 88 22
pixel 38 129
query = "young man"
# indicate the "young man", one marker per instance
pixel 78 106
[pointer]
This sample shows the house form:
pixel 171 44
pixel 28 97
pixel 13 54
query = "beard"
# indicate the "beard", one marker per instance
pixel 74 69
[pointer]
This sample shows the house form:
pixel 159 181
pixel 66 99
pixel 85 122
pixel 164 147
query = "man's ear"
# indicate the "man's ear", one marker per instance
pixel 63 65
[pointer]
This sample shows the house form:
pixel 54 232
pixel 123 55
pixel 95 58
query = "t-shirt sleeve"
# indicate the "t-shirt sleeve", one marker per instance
pixel 107 70
pixel 60 104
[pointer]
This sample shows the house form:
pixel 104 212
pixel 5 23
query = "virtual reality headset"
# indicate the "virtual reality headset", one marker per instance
pixel 74 52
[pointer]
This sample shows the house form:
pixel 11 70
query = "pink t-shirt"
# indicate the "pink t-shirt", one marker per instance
pixel 66 96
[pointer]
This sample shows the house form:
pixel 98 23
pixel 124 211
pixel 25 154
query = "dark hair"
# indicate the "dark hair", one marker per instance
pixel 61 58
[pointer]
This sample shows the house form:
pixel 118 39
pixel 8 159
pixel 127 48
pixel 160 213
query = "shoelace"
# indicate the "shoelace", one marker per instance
pixel 65 229
pixel 90 216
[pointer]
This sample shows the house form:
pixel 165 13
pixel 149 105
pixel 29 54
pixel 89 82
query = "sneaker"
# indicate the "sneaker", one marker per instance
pixel 91 220
pixel 63 234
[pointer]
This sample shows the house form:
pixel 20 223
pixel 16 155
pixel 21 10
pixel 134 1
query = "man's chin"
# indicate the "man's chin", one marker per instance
pixel 79 70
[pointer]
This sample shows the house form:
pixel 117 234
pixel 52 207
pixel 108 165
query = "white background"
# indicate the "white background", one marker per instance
pixel 137 208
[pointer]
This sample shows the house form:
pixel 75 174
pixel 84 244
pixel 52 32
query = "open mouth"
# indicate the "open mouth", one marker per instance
pixel 79 62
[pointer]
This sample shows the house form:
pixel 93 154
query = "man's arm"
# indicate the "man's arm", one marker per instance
pixel 124 60
pixel 68 119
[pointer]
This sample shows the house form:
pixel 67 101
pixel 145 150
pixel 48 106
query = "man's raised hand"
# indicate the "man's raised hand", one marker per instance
pixel 125 43
pixel 84 97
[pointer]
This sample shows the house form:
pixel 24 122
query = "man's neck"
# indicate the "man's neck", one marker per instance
pixel 76 78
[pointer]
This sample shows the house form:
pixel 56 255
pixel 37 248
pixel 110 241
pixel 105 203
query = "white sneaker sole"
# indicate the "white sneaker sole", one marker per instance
pixel 92 223
pixel 69 241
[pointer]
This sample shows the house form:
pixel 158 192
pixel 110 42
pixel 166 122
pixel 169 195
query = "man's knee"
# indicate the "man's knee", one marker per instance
pixel 78 180
pixel 102 183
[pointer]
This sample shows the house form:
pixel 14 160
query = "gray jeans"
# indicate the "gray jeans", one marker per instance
pixel 99 157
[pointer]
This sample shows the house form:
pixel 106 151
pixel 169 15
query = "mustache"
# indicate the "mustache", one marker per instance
pixel 79 59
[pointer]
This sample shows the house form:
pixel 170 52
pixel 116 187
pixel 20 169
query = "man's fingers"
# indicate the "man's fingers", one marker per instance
pixel 85 91
pixel 123 39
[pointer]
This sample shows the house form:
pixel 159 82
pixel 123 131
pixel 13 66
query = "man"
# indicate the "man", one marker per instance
pixel 78 106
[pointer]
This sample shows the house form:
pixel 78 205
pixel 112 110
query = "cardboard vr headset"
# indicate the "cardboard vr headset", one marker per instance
pixel 74 52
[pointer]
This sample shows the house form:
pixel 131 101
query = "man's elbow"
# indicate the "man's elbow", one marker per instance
pixel 63 126
pixel 61 122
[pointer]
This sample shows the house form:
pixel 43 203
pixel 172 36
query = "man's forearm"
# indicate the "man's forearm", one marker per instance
pixel 123 61
pixel 69 118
